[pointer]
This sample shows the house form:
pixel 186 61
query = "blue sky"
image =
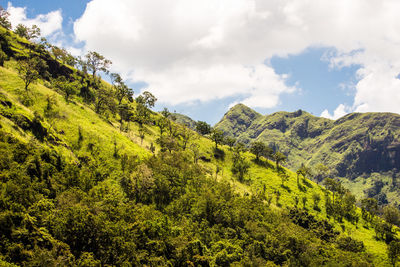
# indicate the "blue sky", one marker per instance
pixel 201 57
pixel 321 85
pixel 71 9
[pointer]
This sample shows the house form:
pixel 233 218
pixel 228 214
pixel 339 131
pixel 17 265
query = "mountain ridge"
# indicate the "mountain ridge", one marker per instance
pixel 355 145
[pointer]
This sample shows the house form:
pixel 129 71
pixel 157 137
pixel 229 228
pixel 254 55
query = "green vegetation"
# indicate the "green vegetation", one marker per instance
pixel 361 149
pixel 94 178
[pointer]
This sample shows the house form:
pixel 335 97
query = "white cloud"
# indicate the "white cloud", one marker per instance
pixel 188 50
pixel 49 24
pixel 378 89
pixel 339 112
pixel 259 86
pixel 76 52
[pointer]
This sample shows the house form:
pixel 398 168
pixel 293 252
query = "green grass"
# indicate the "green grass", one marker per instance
pixel 73 115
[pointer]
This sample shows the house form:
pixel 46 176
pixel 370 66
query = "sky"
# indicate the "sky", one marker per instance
pixel 201 57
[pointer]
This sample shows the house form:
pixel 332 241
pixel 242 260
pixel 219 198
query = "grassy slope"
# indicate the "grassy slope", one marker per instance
pixel 104 132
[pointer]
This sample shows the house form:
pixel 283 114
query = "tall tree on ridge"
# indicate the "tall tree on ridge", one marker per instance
pixel 96 62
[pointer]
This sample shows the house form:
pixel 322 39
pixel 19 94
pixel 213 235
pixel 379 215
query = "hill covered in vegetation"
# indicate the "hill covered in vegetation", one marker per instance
pixel 91 176
pixel 362 148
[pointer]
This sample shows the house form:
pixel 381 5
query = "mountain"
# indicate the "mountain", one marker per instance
pixel 361 148
pixel 91 179
pixel 184 120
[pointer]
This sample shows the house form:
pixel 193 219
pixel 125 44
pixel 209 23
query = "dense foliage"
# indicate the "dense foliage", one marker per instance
pixel 163 210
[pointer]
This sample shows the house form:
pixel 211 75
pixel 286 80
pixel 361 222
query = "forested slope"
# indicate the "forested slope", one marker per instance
pixel 90 178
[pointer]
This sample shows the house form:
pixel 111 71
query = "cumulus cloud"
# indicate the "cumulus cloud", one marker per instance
pixel 187 51
pixel 339 112
pixel 190 50
pixel 49 24
pixel 258 85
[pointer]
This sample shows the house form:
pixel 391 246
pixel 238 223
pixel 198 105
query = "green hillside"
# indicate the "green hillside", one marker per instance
pixel 91 180
pixel 184 120
pixel 361 148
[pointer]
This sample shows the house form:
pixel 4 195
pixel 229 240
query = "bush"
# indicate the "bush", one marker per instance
pixel 349 244
pixel 219 154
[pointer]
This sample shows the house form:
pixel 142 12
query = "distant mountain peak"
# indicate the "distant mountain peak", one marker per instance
pixel 184 120
pixel 238 119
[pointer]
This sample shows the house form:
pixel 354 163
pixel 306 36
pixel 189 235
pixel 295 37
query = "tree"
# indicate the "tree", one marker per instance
pixel 82 65
pixel 104 100
pixel 165 112
pixel 217 136
pixel 167 142
pixel 162 124
pixel 96 62
pixel 69 59
pixel 391 215
pixel 122 91
pixel 240 147
pixel 334 186
pixel 146 99
pixel 279 158
pixel 26 32
pixel 393 252
pixel 4 21
pixel 62 55
pixel 383 231
pixel 269 152
pixel 240 165
pixel 142 114
pixel 29 69
pixel 195 148
pixel 66 87
pixel 43 46
pixel 125 112
pixel 230 141
pixel 303 171
pixel 172 129
pixel 258 149
pixel 203 127
pixel 185 134
pixel 143 102
pixel 21 30
pixel 348 208
pixel 58 53
pixel 369 208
